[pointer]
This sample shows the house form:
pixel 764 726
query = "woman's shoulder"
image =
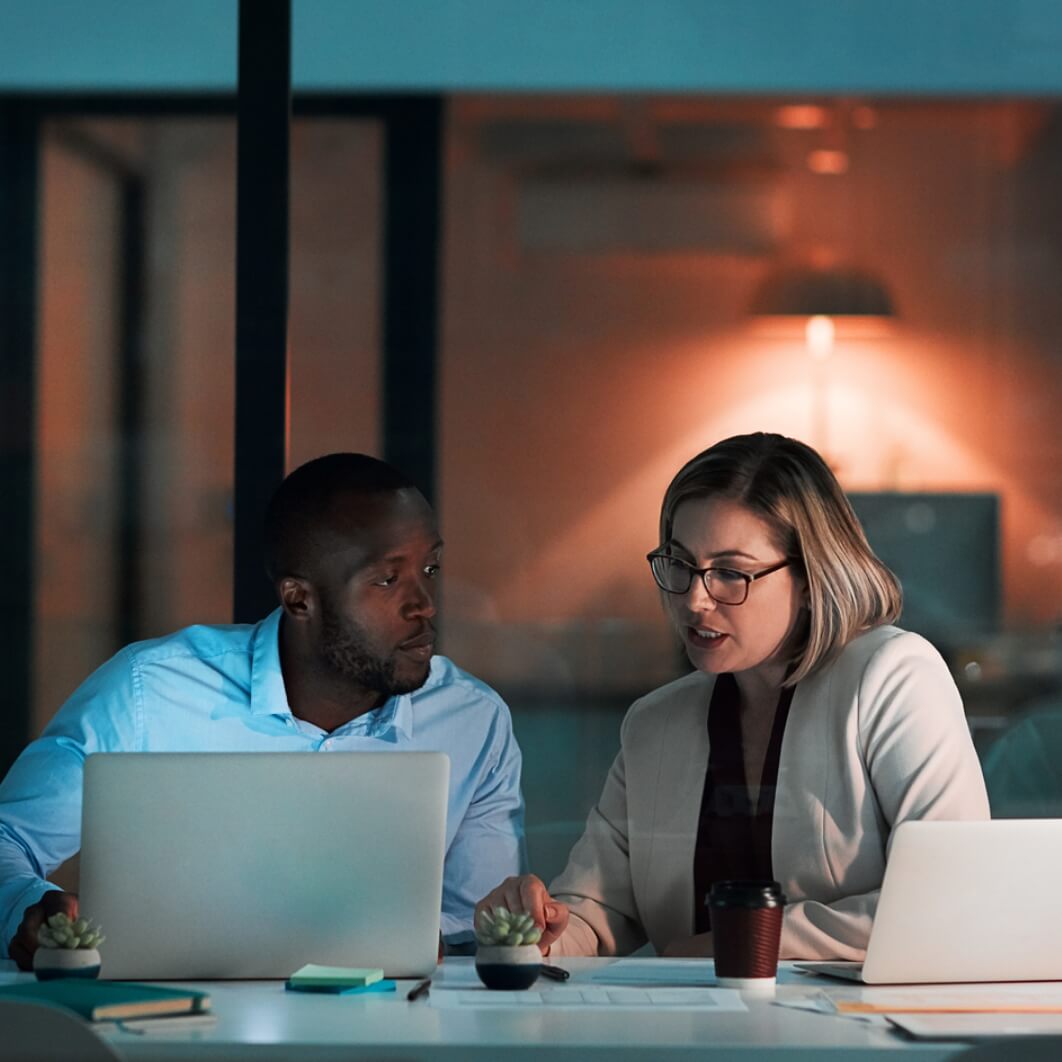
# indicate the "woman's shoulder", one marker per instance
pixel 686 695
pixel 888 641
pixel 883 652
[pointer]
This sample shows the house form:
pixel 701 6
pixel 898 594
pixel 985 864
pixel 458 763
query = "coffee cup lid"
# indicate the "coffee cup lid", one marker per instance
pixel 746 894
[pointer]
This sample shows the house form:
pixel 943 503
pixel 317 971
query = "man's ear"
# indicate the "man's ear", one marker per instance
pixel 297 597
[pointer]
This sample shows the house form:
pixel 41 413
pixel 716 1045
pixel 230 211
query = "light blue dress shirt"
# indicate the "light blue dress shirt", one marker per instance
pixel 220 689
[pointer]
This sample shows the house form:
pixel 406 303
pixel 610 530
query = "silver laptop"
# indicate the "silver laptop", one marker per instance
pixel 965 901
pixel 246 865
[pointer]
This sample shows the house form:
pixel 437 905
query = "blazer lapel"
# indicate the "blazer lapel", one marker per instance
pixel 672 784
pixel 803 790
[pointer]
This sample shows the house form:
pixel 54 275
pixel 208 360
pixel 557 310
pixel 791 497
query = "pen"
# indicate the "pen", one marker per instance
pixel 554 973
pixel 419 989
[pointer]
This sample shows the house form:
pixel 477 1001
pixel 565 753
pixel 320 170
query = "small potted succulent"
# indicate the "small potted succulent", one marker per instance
pixel 507 952
pixel 67 948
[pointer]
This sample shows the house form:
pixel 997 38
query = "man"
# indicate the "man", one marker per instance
pixel 345 663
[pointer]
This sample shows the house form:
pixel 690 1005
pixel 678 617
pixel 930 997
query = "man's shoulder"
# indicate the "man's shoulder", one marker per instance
pixel 200 641
pixel 447 678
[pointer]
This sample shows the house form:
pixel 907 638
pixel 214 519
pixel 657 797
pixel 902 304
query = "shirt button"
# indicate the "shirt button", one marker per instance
pixel 327 744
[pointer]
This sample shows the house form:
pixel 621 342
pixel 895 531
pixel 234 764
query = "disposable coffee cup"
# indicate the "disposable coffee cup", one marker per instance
pixel 747 930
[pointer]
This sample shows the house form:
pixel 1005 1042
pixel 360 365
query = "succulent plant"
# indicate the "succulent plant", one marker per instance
pixel 500 927
pixel 62 932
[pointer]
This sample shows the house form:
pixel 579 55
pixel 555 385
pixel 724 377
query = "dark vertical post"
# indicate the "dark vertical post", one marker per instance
pixel 413 171
pixel 128 601
pixel 19 166
pixel 263 146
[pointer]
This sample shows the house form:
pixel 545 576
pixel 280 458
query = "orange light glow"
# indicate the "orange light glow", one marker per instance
pixel 900 411
pixel 828 161
pixel 800 116
pixel 819 334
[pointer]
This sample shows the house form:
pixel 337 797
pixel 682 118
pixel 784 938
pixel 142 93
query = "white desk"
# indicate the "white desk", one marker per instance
pixel 260 1020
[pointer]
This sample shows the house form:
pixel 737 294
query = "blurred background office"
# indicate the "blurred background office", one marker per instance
pixel 657 225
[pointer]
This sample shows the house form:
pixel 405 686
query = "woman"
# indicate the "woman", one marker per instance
pixel 810 728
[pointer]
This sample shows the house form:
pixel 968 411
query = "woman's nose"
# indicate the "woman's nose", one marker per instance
pixel 697 597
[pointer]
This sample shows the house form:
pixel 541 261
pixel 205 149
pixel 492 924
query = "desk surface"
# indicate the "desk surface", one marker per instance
pixel 260 1020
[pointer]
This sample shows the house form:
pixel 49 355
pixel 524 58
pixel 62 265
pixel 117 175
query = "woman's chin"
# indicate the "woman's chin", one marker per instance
pixel 709 659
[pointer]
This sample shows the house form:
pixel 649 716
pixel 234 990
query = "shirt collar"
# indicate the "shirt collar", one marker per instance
pixel 269 696
pixel 403 717
pixel 393 717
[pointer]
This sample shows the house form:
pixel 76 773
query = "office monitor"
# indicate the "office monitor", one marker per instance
pixel 944 548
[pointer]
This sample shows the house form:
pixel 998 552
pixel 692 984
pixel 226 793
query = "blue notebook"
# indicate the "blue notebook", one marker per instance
pixel 109 1000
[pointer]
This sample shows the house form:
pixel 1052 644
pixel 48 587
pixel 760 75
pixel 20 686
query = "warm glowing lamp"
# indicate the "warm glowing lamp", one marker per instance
pixel 818 334
pixel 818 297
pixel 806 292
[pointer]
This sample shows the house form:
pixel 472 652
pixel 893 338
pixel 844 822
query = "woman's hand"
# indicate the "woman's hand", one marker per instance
pixel 527 893
pixel 695 947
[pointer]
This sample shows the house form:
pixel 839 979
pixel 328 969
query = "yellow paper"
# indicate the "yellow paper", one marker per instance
pixel 973 999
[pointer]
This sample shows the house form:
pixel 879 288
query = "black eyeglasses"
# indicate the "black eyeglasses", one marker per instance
pixel 727 586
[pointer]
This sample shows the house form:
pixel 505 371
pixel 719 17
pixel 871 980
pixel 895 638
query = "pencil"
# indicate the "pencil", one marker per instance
pixel 419 989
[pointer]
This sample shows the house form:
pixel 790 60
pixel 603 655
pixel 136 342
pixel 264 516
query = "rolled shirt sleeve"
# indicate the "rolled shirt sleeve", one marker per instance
pixel 40 798
pixel 220 689
pixel 489 844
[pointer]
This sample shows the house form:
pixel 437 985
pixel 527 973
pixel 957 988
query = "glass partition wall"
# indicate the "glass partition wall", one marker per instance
pixel 609 266
pixel 612 300
pixel 135 432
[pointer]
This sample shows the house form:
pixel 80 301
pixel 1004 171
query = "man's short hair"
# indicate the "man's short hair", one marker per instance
pixel 300 509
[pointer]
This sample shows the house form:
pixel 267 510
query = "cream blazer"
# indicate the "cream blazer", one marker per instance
pixel 875 737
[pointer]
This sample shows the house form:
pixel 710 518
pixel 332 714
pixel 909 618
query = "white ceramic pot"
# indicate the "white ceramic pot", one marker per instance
pixel 52 963
pixel 501 966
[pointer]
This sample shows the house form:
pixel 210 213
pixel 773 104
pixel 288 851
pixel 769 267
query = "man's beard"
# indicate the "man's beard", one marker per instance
pixel 345 647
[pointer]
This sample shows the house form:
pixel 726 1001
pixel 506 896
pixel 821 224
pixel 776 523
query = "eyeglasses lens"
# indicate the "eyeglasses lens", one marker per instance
pixel 672 575
pixel 728 588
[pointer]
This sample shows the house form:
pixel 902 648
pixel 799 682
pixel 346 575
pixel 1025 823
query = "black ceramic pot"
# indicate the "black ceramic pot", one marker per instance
pixel 508 967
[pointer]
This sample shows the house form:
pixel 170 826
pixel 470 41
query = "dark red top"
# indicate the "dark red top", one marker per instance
pixel 733 835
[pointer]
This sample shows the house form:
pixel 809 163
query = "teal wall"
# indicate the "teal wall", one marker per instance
pixel 967 47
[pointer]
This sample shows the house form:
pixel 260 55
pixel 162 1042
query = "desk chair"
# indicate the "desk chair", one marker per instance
pixel 36 1032
pixel 1023 767
pixel 1009 1048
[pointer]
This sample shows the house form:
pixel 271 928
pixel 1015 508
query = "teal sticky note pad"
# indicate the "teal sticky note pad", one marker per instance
pixel 342 990
pixel 344 976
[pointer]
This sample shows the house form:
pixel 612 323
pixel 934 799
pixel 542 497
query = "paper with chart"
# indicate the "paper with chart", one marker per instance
pixel 656 973
pixel 584 997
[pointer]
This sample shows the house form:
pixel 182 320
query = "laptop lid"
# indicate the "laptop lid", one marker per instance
pixel 969 901
pixel 245 865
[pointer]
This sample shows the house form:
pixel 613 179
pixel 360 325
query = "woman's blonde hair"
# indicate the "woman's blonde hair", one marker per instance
pixel 788 485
